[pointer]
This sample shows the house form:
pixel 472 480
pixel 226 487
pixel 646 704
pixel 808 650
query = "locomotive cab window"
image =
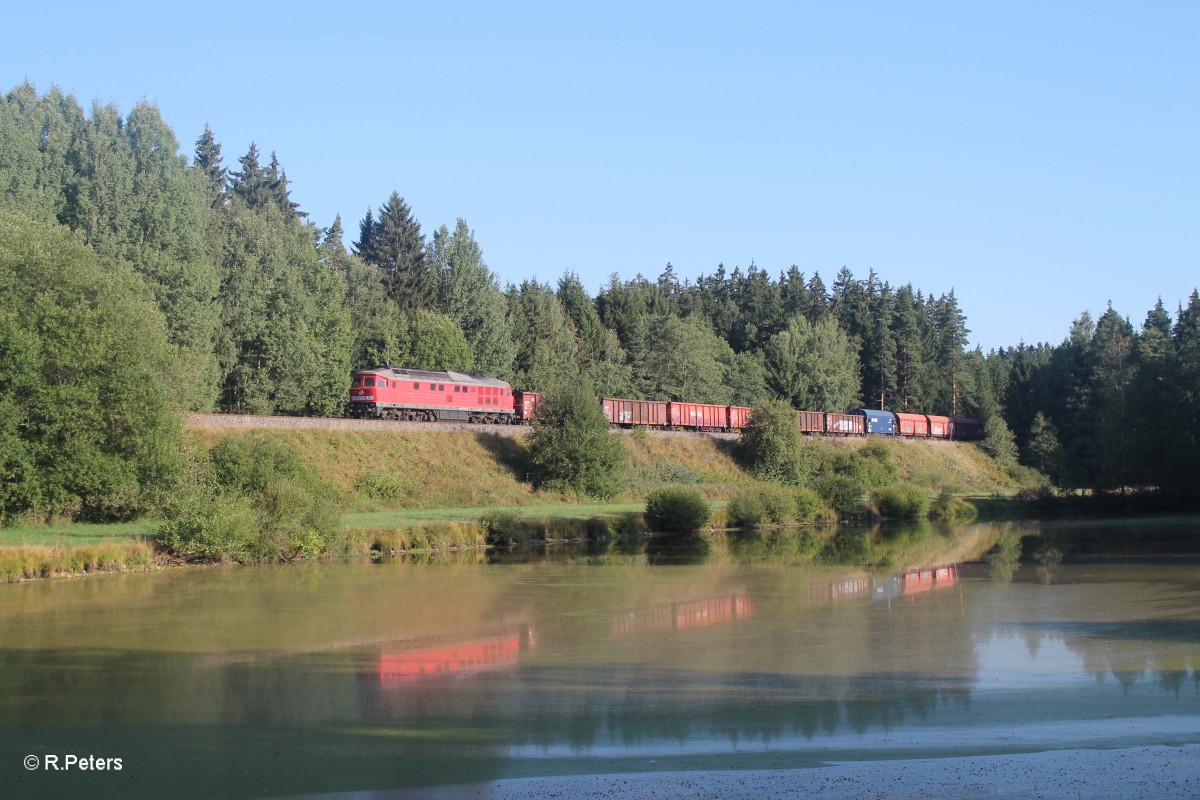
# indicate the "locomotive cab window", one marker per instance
pixel 383 382
pixel 357 382
pixel 370 381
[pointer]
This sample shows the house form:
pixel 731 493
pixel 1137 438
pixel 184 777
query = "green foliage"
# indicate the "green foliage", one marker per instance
pixel 680 359
pixel 808 504
pixel 998 442
pixel 468 293
pixel 394 244
pixel 900 501
pixel 746 509
pixel 546 341
pixel 86 427
pixel 251 499
pixel 814 367
pixel 770 442
pixel 870 465
pixel 676 510
pixel 434 342
pixel 385 487
pixel 842 493
pixel 571 447
pixel 769 502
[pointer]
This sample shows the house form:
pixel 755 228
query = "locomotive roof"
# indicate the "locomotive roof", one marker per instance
pixel 469 378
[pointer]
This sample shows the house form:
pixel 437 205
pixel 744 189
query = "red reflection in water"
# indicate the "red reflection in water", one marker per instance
pixel 684 615
pixel 459 659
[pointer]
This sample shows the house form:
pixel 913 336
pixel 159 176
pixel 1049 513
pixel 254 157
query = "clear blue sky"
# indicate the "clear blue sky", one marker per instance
pixel 1040 158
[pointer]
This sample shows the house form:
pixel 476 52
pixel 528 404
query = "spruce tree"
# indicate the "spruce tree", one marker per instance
pixel 250 184
pixel 394 244
pixel 208 161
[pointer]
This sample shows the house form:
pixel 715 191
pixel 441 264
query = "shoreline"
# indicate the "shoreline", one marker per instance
pixel 1130 773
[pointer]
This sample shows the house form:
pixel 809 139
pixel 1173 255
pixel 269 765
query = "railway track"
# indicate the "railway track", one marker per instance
pixel 225 421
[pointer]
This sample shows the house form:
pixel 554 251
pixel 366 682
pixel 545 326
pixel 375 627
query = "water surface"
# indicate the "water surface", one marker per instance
pixel 751 653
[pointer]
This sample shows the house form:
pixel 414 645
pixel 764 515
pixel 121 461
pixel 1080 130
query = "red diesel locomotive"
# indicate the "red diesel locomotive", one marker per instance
pixel 425 396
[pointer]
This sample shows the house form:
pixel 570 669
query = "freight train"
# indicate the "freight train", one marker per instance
pixel 428 396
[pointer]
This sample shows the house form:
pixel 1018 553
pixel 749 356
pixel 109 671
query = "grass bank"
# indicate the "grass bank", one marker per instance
pixel 434 490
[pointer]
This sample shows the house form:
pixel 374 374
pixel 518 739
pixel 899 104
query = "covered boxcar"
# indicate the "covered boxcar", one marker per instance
pixel 882 423
pixel 698 416
pixel 811 421
pixel 845 424
pixel 630 413
pixel 912 424
pixel 421 395
pixel 939 427
pixel 738 417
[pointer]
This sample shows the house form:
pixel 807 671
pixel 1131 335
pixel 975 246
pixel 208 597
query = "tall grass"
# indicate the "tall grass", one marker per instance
pixel 30 562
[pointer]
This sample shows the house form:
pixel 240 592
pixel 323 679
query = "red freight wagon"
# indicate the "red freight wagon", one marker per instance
pixel 911 424
pixel 526 404
pixel 738 417
pixel 702 416
pixel 846 424
pixel 939 427
pixel 811 421
pixel 635 412
pixel 412 394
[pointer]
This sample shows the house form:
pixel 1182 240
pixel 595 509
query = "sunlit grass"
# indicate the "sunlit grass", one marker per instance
pixel 75 534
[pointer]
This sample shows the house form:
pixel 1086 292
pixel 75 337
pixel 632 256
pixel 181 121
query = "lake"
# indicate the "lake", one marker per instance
pixel 772 652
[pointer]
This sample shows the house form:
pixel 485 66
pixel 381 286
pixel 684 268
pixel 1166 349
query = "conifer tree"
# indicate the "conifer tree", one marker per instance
pixel 394 244
pixel 208 161
pixel 467 291
pixel 250 184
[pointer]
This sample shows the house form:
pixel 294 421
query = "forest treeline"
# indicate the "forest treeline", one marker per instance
pixel 260 309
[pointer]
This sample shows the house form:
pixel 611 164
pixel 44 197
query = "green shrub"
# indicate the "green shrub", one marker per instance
pixel 901 501
pixel 250 463
pixel 875 467
pixel 676 510
pixel 779 503
pixel 746 509
pixel 842 493
pixel 208 527
pixel 770 442
pixel 808 504
pixel 500 527
pixel 251 500
pixel 571 447
pixel 384 487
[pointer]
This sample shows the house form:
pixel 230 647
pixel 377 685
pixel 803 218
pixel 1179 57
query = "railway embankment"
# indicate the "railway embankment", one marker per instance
pixel 413 486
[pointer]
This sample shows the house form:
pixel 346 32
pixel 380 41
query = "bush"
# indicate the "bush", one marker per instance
pixel 676 510
pixel 572 448
pixel 384 487
pixel 842 493
pixel 252 500
pixel 770 442
pixel 872 465
pixel 747 509
pixel 902 501
pixel 500 527
pixel 808 504
pixel 768 503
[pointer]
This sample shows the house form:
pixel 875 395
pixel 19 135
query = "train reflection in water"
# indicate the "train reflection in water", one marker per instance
pixel 684 615
pixel 915 582
pixel 457 659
